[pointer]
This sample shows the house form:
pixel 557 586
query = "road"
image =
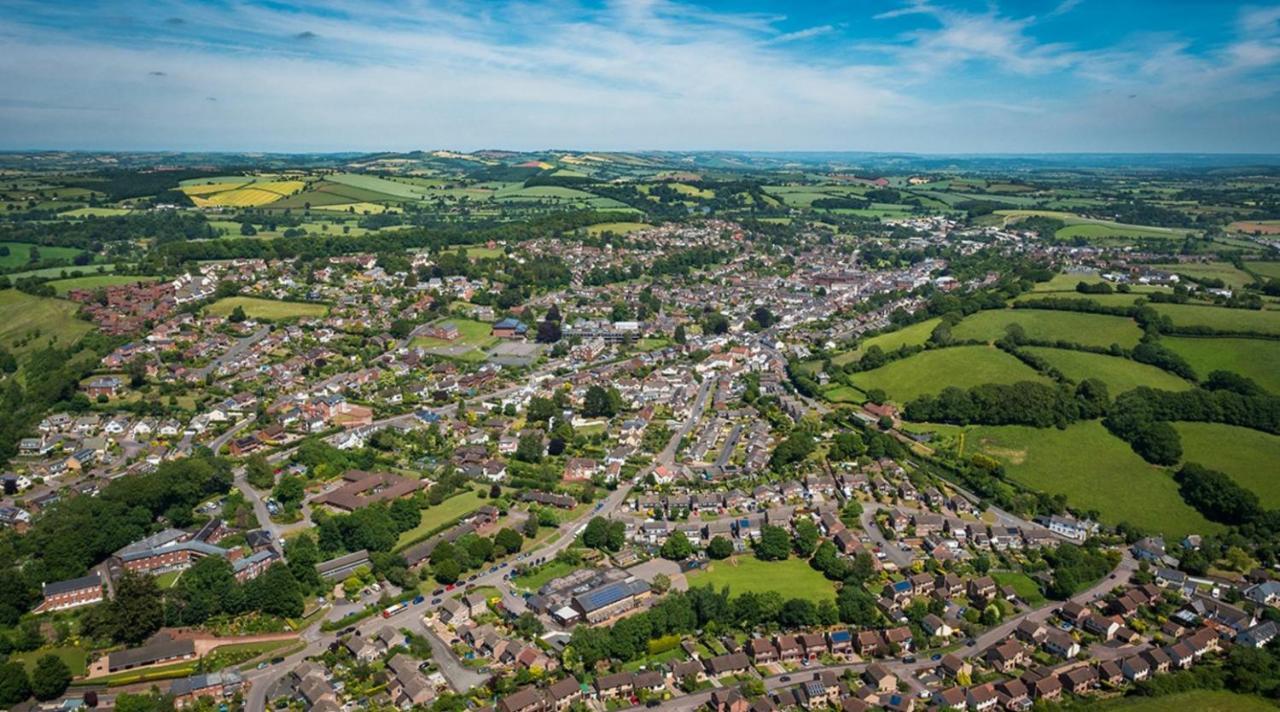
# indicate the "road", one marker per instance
pixel 892 551
pixel 221 441
pixel 234 352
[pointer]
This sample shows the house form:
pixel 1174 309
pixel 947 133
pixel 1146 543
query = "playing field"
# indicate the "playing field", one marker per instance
pixel 931 371
pixel 912 335
pixel 267 309
pixel 1120 374
pixel 1221 318
pixel 471 333
pixel 28 323
pixel 1251 457
pixel 792 578
pixel 1042 324
pixel 62 286
pixel 1258 359
pixel 1095 470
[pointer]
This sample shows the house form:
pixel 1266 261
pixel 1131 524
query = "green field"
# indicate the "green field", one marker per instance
pixel 1258 359
pixel 267 309
pixel 472 336
pixel 1094 231
pixel 62 286
pixel 1120 374
pixel 1043 324
pixel 931 371
pixel 913 335
pixel 48 321
pixel 20 254
pixel 446 511
pixel 842 394
pixel 1251 457
pixel 76 658
pixel 1022 583
pixel 1221 318
pixel 1266 269
pixel 617 228
pixel 792 578
pixel 1196 701
pixel 1095 470
pixel 1224 271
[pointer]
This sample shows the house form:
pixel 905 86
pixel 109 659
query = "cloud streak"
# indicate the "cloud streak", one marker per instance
pixel 628 74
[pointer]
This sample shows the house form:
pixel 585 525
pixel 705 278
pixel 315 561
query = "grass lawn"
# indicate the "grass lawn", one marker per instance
pixel 76 658
pixel 480 253
pixel 539 578
pixel 1022 583
pixel 1043 324
pixel 446 511
pixel 267 309
pixel 792 578
pixel 1120 374
pixel 237 653
pixel 1198 700
pixel 470 333
pixel 644 345
pixel 842 394
pixel 168 579
pixel 1249 456
pixel 1267 322
pixel 1096 471
pixel 931 371
pixel 912 335
pixel 1258 359
pixel 62 286
pixel 23 315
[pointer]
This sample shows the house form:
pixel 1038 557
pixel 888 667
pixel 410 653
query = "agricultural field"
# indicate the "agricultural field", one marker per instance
pixel 931 371
pixel 20 254
pixel 251 195
pixel 94 213
pixel 792 578
pixel 28 322
pixel 1120 374
pixel 1095 470
pixel 1258 359
pixel 617 228
pixel 1260 227
pixel 1092 229
pixel 62 286
pixel 267 309
pixel 1041 324
pixel 1221 318
pixel 1251 457
pixel 912 335
pixel 1266 269
pixel 1232 277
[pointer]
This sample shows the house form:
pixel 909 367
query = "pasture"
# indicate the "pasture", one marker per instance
pixel 28 323
pixel 931 371
pixel 266 309
pixel 1266 269
pixel 1232 277
pixel 1258 359
pixel 1042 324
pixel 792 578
pixel 1198 700
pixel 1250 457
pixel 1096 471
pixel 617 228
pixel 1078 226
pixel 912 335
pixel 441 514
pixel 1221 318
pixel 1258 227
pixel 19 254
pixel 1120 374
pixel 62 286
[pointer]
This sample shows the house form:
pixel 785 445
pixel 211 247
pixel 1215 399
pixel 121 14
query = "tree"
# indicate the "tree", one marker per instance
pixel 446 572
pixel 136 611
pixel 763 317
pixel 661 583
pixel 529 447
pixel 508 540
pixel 601 402
pixel 679 335
pixel 677 547
pixel 276 592
pixel 237 315
pixel 720 547
pixel 540 409
pixel 259 472
pixel 548 332
pixel 774 544
pixel 15 686
pixel 290 490
pixel 856 606
pixel 50 678
pixel 805 538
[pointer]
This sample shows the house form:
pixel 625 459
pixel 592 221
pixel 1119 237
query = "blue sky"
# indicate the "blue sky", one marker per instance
pixel 928 76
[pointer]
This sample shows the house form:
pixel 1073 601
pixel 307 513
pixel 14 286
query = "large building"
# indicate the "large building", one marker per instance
pixel 611 599
pixel 365 488
pixel 61 595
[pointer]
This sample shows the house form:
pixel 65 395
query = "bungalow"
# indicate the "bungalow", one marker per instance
pixel 730 664
pixel 1259 635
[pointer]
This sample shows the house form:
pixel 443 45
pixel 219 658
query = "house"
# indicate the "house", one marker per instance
pixel 73 593
pixel 1110 673
pixel 107 386
pixel 1005 656
pixel 1060 643
pixel 952 666
pixel 981 697
pixel 615 685
pixel 789 649
pixel 1079 680
pixel 762 651
pixel 217 686
pixel 526 699
pixel 564 693
pixel 730 664
pixel 1013 694
pixel 1259 635
pixel 363 649
pixel 1135 668
pixel 879 677
pixel 1046 688
pixel 728 700
pixel 951 698
pixel 936 627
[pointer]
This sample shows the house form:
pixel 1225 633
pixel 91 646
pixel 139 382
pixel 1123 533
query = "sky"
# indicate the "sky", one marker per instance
pixel 922 76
